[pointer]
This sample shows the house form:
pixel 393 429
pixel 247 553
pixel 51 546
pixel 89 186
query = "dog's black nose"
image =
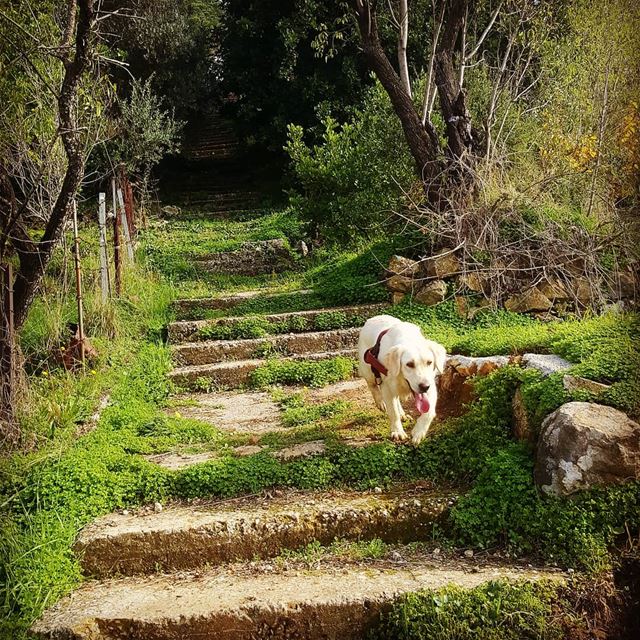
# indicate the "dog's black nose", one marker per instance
pixel 423 387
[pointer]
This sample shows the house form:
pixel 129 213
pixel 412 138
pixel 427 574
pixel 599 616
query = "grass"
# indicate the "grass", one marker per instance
pixel 61 481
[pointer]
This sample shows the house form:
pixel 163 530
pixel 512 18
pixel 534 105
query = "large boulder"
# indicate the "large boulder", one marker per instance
pixel 402 272
pixel 582 445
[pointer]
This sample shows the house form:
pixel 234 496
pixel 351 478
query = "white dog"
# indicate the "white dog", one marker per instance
pixel 398 362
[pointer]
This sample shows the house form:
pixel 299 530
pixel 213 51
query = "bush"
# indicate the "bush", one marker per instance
pixel 352 181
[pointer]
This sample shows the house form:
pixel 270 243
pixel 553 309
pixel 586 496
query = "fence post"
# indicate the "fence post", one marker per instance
pixel 9 430
pixel 76 260
pixel 104 254
pixel 116 240
pixel 125 226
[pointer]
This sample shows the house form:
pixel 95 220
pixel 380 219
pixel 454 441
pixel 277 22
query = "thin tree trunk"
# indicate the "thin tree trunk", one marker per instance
pixel 34 256
pixel 423 144
pixel 452 99
pixel 429 92
pixel 403 36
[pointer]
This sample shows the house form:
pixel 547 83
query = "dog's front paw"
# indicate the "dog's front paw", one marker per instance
pixel 418 435
pixel 398 435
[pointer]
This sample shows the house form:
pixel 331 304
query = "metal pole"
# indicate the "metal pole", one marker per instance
pixel 76 257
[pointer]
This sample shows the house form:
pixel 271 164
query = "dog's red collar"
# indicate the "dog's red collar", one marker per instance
pixel 371 358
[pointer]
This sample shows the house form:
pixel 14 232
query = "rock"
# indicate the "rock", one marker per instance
pixel 472 281
pixel 302 248
pixel 402 266
pixel 157 507
pixel 302 450
pixel 576 383
pixel 545 363
pixel 582 445
pixel 247 450
pixel 468 553
pixel 432 293
pixel 170 210
pixel 252 258
pixel 625 285
pixel 521 427
pixel 531 300
pixel 398 297
pixel 554 290
pixel 455 389
pixel 401 284
pixel 442 265
pixel 583 291
pixel 462 306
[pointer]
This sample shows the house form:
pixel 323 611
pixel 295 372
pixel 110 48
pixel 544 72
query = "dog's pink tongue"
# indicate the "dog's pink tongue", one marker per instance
pixel 422 404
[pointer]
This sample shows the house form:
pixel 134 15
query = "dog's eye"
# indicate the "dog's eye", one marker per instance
pixel 428 363
pixel 411 364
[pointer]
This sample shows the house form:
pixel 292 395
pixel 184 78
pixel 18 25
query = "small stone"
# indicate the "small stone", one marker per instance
pixel 531 300
pixel 171 210
pixel 442 265
pixel 417 503
pixel 377 490
pixel 157 507
pixel 125 512
pixel 571 570
pixel 398 297
pixel 576 383
pixel 468 553
pixel 436 551
pixel 432 293
pixel 394 556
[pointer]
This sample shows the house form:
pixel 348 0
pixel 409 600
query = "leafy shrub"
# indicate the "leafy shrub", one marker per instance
pixel 497 610
pixel 349 183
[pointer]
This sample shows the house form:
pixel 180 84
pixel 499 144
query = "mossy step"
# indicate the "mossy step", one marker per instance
pixel 333 603
pixel 186 537
pixel 213 351
pixel 257 413
pixel 232 374
pixel 191 305
pixel 196 330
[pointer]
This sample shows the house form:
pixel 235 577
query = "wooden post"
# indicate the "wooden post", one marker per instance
pixel 125 226
pixel 116 240
pixel 9 429
pixel 104 254
pixel 76 260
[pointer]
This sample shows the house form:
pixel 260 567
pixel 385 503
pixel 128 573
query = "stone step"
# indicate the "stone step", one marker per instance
pixel 189 305
pixel 340 602
pixel 192 330
pixel 212 351
pixel 186 537
pixel 235 373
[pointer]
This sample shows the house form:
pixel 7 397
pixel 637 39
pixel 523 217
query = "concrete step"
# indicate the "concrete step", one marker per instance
pixel 195 330
pixel 186 537
pixel 235 373
pixel 194 305
pixel 212 351
pixel 337 602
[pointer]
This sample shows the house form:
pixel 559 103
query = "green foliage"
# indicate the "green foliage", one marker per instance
pixel 352 180
pixel 497 610
pixel 146 132
pixel 307 372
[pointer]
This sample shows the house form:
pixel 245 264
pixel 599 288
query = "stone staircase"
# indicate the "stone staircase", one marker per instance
pixel 213 177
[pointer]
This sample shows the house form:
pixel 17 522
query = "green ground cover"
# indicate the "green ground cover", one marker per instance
pixel 67 478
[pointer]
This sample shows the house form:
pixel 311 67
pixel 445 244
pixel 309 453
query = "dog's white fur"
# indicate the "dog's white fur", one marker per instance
pixel 402 346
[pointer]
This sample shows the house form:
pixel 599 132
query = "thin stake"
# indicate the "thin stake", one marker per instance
pixel 76 256
pixel 116 239
pixel 125 226
pixel 104 255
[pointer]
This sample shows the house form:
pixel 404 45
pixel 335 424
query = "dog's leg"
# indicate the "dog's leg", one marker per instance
pixel 377 396
pixel 389 397
pixel 400 409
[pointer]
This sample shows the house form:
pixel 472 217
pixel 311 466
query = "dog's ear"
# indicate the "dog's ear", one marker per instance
pixel 440 356
pixel 392 360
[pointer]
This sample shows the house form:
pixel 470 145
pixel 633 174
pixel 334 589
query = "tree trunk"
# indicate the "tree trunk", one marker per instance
pixel 403 37
pixel 423 144
pixel 9 429
pixel 452 99
pixel 34 256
